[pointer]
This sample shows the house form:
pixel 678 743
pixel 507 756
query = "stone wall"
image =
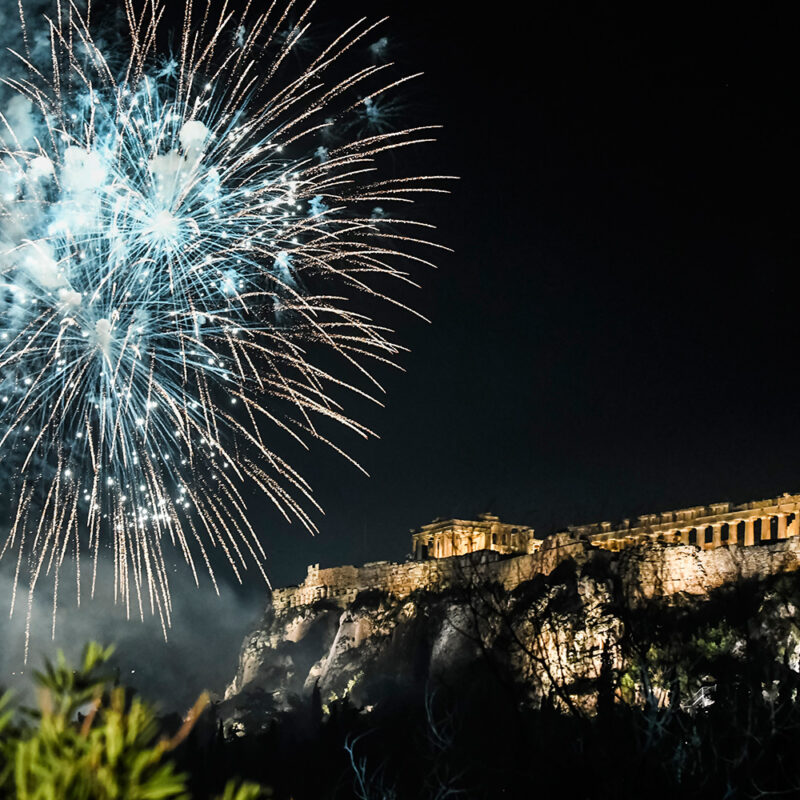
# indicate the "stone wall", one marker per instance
pixel 342 584
pixel 659 571
pixel 652 571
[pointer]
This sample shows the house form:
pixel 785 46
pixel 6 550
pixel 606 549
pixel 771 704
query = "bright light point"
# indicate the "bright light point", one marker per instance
pixel 164 227
pixel 102 331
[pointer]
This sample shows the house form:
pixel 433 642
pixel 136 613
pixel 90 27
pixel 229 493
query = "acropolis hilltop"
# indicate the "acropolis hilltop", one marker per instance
pixel 511 553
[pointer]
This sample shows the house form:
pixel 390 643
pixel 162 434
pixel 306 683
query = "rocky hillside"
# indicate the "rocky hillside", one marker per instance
pixel 554 623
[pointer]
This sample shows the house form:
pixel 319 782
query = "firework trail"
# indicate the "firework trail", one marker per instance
pixel 175 248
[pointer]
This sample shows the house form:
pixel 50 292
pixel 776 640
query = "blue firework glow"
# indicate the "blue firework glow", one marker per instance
pixel 175 245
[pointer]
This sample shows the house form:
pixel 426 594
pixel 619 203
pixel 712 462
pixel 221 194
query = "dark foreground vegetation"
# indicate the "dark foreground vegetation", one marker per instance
pixel 703 703
pixel 89 739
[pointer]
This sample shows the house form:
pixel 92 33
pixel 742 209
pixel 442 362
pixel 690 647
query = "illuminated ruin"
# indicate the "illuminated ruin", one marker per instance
pixel 456 537
pixel 510 553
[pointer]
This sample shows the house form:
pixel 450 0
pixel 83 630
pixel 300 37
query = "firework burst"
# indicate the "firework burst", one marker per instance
pixel 175 245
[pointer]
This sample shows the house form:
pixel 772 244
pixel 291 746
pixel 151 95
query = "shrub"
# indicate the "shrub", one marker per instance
pixel 90 740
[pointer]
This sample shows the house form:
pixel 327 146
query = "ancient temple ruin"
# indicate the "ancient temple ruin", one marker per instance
pixel 706 527
pixel 456 537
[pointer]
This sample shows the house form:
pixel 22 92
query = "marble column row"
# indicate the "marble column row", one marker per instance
pixel 784 530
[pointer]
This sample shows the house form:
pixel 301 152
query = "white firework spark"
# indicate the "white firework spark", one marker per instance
pixel 175 245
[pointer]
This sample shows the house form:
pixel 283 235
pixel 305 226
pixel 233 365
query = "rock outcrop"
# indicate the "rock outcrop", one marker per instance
pixel 551 620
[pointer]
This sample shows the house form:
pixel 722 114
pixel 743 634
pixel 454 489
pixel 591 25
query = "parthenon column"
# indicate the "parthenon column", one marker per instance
pixel 749 531
pixel 684 535
pixel 794 525
pixel 716 530
pixel 766 528
pixel 782 526
pixel 701 538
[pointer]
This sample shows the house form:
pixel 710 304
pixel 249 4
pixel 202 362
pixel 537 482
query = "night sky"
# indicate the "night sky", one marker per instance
pixel 616 330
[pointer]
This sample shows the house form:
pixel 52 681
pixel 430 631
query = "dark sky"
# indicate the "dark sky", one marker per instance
pixel 616 331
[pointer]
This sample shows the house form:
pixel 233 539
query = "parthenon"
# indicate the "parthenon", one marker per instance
pixel 706 527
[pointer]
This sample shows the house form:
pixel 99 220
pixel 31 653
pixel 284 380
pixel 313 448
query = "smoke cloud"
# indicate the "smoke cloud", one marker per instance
pixel 200 653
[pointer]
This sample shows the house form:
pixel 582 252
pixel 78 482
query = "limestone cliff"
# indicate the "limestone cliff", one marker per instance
pixel 551 621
